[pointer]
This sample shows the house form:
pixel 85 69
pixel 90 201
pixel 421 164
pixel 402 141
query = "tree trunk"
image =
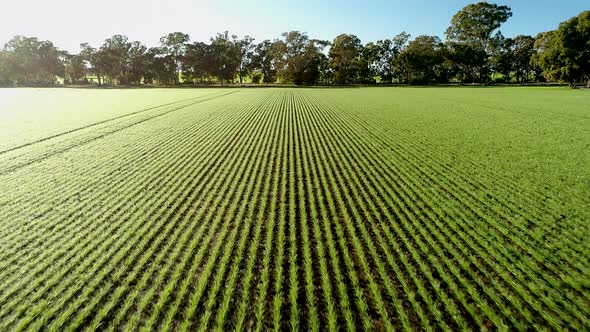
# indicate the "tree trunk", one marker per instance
pixel 481 74
pixel 588 86
pixel 176 73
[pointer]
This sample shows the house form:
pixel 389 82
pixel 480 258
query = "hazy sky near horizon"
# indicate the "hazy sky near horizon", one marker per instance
pixel 70 22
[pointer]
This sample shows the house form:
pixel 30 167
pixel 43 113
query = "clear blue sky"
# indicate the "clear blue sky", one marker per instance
pixel 70 22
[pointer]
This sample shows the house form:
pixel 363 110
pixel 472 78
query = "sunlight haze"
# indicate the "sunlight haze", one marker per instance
pixel 68 22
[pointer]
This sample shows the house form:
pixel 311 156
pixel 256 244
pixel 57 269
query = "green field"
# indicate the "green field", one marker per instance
pixel 303 209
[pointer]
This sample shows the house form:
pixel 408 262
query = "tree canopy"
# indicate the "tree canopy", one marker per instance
pixel 475 50
pixel 29 61
pixel 475 23
pixel 564 54
pixel 345 58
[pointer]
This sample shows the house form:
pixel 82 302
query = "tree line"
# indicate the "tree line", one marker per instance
pixel 475 51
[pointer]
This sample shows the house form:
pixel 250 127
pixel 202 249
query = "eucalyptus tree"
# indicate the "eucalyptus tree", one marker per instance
pixel 226 56
pixel 114 54
pixel 75 68
pixel 29 61
pixel 138 62
pixel 474 26
pixel 398 68
pixel 523 50
pixel 564 54
pixel 424 57
pixel 197 62
pixel 5 68
pixel 264 59
pixel 345 58
pixel 161 67
pixel 289 55
pixel 174 44
pixel 245 48
pixel 315 61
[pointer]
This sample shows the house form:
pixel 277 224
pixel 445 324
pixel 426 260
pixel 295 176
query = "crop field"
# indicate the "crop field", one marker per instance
pixel 300 209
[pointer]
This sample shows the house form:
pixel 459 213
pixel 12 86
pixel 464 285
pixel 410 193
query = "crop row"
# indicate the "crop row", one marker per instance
pixel 273 209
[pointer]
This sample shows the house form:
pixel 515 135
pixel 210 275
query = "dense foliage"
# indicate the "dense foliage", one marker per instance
pixel 564 54
pixel 474 51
